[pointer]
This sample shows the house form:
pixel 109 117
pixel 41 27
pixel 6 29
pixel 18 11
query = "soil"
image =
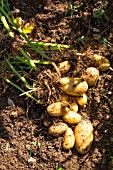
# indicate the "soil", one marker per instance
pixel 24 140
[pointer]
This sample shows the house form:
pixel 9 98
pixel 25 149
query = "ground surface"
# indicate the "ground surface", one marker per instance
pixel 22 131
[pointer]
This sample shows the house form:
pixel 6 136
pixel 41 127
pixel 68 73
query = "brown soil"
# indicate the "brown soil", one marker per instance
pixel 22 131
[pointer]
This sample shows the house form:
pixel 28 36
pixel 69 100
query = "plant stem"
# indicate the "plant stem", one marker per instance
pixel 18 74
pixel 51 45
pixel 32 45
pixel 30 61
pixel 41 62
pixel 22 60
pixel 3 19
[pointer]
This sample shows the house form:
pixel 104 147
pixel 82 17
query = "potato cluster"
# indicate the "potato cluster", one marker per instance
pixel 77 132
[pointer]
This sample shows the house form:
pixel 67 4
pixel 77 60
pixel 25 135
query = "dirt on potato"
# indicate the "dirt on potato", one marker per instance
pixel 25 143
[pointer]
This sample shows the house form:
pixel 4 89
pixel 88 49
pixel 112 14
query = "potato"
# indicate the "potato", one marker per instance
pixel 91 75
pixel 101 62
pixel 83 136
pixel 58 108
pixel 69 80
pixel 104 66
pixel 69 139
pixel 74 107
pixel 97 60
pixel 64 67
pixel 73 86
pixel 73 104
pixel 58 128
pixel 71 117
pixel 82 100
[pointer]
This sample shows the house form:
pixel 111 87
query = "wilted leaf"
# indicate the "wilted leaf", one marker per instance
pixel 28 28
pixel 19 21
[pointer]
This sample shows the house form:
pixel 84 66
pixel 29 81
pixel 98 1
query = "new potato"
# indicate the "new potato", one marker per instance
pixel 71 117
pixel 69 80
pixel 64 67
pixel 58 128
pixel 58 108
pixel 83 136
pixel 82 100
pixel 69 139
pixel 101 62
pixel 74 106
pixel 73 86
pixel 91 75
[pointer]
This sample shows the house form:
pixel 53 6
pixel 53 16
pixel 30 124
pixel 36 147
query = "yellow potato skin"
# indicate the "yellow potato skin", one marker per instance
pixel 69 139
pixel 97 60
pixel 83 136
pixel 71 117
pixel 58 108
pixel 64 67
pixel 74 107
pixel 82 100
pixel 58 128
pixel 91 75
pixel 101 62
pixel 104 66
pixel 69 80
pixel 85 147
pixel 73 86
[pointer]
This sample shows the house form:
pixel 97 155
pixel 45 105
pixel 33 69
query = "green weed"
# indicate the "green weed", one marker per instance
pixel 99 14
pixel 70 11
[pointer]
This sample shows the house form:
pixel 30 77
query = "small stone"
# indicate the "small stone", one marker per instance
pixel 97 36
pixel 10 102
pixel 96 30
pixel 31 159
pixel 86 14
pixel 109 92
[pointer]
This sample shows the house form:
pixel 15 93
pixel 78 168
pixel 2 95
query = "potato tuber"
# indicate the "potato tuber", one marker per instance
pixel 83 136
pixel 58 108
